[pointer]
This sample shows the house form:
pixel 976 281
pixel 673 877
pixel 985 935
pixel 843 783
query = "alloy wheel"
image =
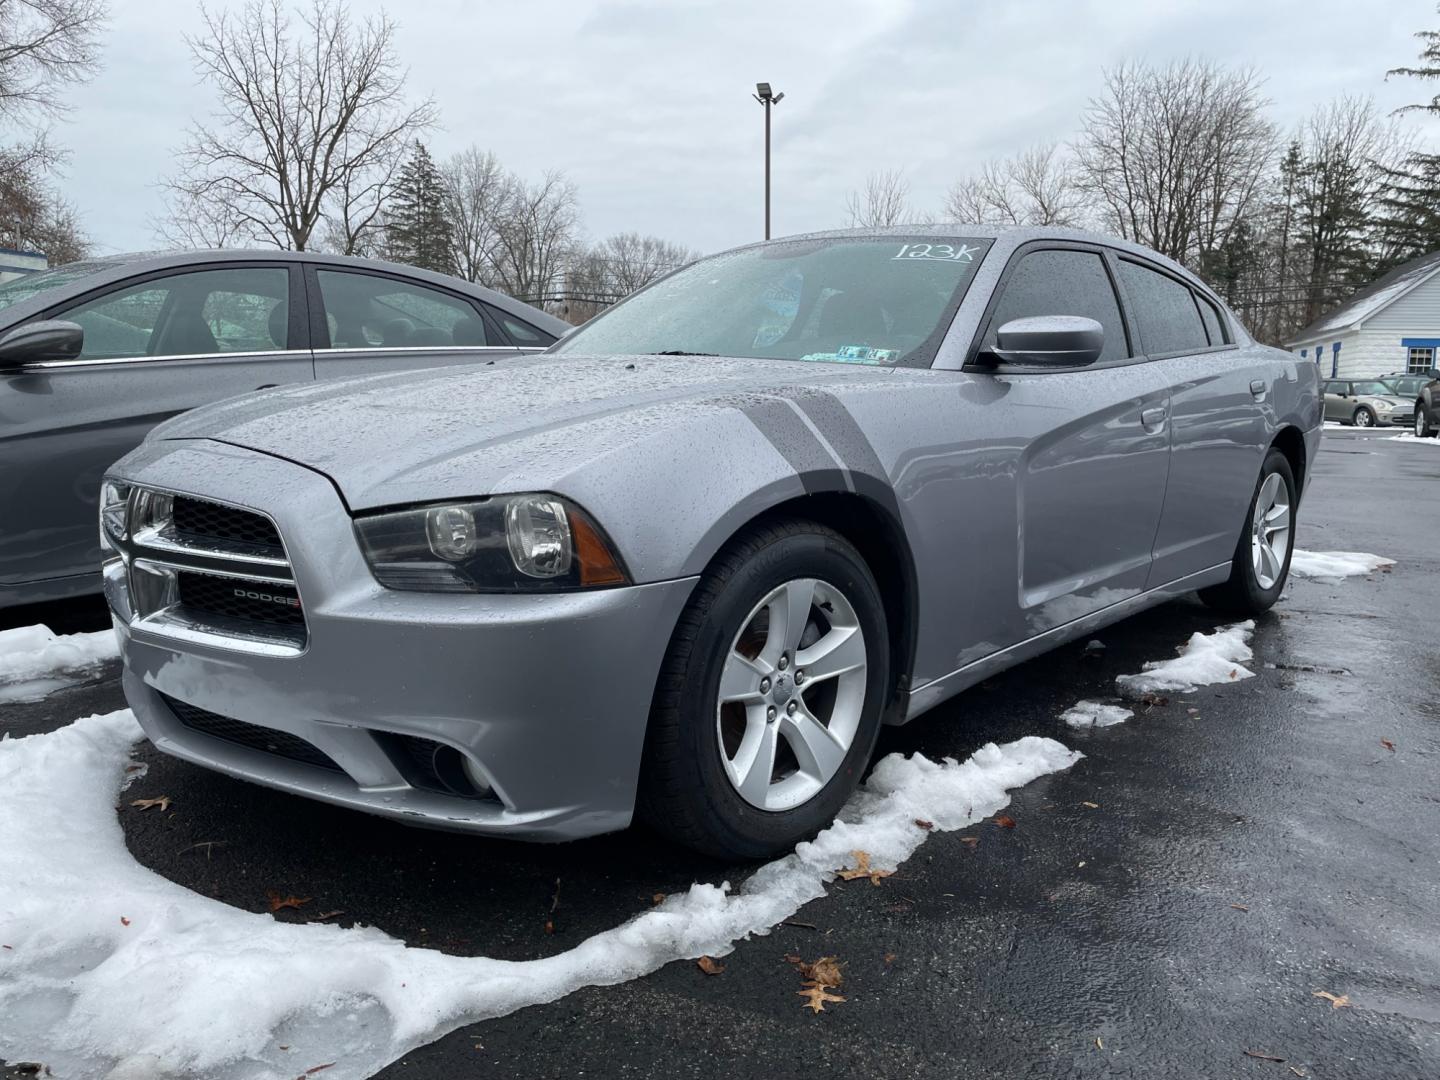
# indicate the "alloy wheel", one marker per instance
pixel 1419 424
pixel 792 691
pixel 1270 531
pixel 1363 418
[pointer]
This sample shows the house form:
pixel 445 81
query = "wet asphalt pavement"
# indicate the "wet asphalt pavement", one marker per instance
pixel 1171 902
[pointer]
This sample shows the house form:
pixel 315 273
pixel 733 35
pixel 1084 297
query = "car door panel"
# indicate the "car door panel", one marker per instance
pixel 1090 477
pixel 62 424
pixel 1219 431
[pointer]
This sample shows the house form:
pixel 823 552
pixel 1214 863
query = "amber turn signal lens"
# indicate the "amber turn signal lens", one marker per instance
pixel 597 563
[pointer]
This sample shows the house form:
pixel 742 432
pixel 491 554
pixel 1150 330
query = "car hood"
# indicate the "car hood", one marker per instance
pixel 465 432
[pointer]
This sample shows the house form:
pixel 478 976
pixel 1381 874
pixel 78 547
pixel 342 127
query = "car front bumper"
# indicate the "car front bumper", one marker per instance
pixel 545 696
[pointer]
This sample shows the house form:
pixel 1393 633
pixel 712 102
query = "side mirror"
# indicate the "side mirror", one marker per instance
pixel 37 342
pixel 1049 341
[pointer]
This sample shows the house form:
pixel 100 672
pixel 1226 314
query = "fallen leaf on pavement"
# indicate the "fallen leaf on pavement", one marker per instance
pixel 317 1068
pixel 709 965
pixel 889 958
pixel 1154 700
pixel 861 869
pixel 1234 672
pixel 1388 745
pixel 970 841
pixel 1098 1044
pixel 1005 821
pixel 816 997
pixel 1337 1001
pixel 658 898
pixel 162 801
pixel 1091 805
pixel 926 825
pixel 823 972
pixel 278 902
pixel 1263 1057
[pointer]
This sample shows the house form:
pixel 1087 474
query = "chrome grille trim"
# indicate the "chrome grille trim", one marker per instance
pixel 154 557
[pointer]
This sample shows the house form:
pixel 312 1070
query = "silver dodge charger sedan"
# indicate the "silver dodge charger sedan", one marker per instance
pixel 685 563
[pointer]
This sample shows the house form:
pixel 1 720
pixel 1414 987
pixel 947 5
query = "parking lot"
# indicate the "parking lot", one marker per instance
pixel 1171 905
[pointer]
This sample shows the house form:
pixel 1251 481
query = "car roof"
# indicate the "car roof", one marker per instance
pixel 111 268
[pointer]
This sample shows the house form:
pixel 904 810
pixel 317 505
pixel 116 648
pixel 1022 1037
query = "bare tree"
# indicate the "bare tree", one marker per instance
pixel 307 116
pixel 884 200
pixel 614 268
pixel 1175 156
pixel 194 222
pixel 44 45
pixel 1035 187
pixel 537 236
pixel 479 192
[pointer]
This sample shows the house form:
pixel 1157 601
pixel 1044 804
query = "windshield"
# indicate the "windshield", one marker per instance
pixel 22 288
pixel 848 300
pixel 1376 387
pixel 1407 387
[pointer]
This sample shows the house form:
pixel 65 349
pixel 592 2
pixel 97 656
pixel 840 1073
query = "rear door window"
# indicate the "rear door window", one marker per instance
pixel 369 311
pixel 1062 282
pixel 1210 316
pixel 1165 310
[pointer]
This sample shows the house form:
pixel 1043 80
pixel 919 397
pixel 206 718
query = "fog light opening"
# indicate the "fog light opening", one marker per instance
pixel 453 770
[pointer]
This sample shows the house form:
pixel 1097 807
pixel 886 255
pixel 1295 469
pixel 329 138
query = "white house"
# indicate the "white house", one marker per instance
pixel 1391 325
pixel 15 263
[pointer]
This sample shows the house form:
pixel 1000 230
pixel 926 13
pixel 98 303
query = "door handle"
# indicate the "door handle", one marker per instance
pixel 1258 388
pixel 1153 419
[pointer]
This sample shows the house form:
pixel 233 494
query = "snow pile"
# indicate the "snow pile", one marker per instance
pixel 1203 660
pixel 34 661
pixel 113 971
pixel 1085 714
pixel 1335 564
pixel 1412 437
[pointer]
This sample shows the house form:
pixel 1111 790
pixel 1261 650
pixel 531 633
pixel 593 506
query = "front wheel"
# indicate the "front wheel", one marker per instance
pixel 1261 563
pixel 1423 430
pixel 770 698
pixel 1364 417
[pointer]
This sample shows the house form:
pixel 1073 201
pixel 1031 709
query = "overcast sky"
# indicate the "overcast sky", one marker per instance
pixel 646 105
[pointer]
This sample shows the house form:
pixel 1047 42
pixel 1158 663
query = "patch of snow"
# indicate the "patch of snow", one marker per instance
pixel 1333 565
pixel 1410 436
pixel 1203 660
pixel 35 661
pixel 187 986
pixel 1086 714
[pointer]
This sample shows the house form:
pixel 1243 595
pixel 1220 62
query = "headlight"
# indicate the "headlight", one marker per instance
pixel 510 543
pixel 113 500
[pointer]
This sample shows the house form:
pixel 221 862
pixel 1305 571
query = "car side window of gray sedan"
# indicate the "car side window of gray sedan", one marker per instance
pixel 1062 281
pixel 244 309
pixel 1165 310
pixel 370 311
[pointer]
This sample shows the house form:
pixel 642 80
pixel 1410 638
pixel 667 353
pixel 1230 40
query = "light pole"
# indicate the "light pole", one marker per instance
pixel 764 96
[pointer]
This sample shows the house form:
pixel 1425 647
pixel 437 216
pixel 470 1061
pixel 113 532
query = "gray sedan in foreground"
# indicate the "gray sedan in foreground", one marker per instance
pixel 688 561
pixel 95 353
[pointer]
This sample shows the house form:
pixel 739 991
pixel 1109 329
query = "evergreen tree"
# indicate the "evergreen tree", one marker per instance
pixel 418 228
pixel 1409 218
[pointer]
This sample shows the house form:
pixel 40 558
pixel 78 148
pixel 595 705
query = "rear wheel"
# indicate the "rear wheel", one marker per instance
pixel 1423 430
pixel 769 702
pixel 1261 563
pixel 1364 417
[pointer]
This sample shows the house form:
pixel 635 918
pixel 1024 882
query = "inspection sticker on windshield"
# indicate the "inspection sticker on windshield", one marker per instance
pixel 856 354
pixel 937 252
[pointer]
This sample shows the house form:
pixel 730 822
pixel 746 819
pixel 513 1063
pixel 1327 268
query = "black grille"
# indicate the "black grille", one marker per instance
pixel 196 519
pixel 241 599
pixel 268 740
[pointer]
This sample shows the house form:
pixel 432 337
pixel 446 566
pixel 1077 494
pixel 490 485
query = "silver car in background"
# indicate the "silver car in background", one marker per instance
pixel 689 560
pixel 95 353
pixel 1366 403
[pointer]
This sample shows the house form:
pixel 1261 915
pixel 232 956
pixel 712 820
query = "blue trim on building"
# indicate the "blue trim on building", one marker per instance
pixel 1335 360
pixel 1420 342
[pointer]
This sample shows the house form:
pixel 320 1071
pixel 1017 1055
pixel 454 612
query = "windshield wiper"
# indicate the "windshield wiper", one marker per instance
pixel 681 352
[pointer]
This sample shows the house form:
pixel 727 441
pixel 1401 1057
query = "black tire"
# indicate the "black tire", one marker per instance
pixel 1423 427
pixel 1241 594
pixel 685 793
pixel 1364 417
